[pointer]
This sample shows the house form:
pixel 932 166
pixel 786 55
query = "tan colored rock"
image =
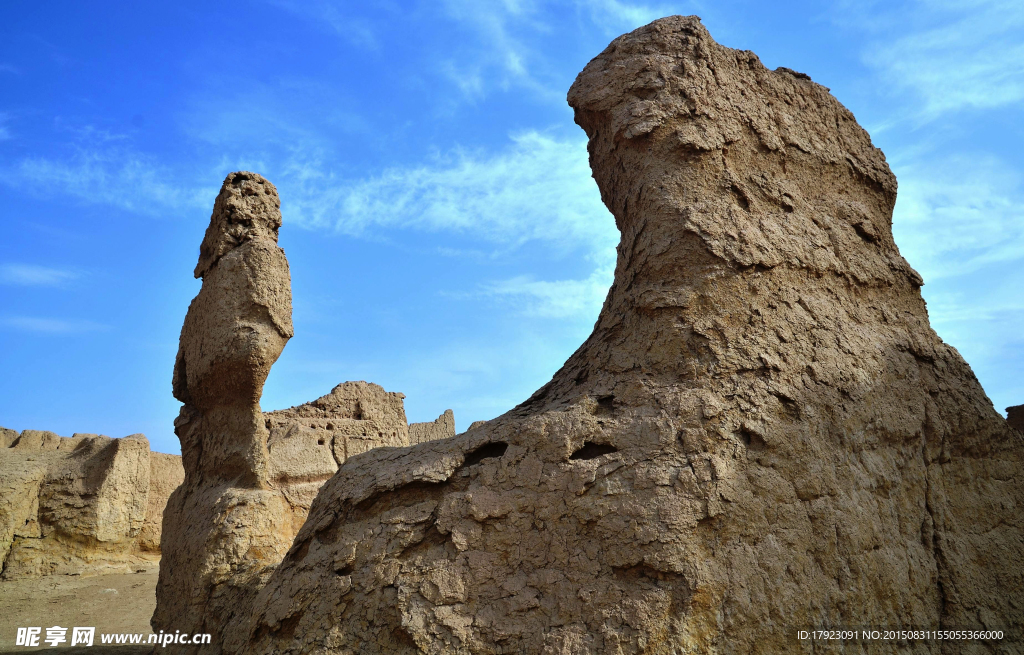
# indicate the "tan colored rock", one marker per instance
pixel 21 475
pixel 72 510
pixel 82 505
pixel 36 440
pixel 165 475
pixel 1015 417
pixel 227 524
pixel 7 437
pixel 440 428
pixel 762 434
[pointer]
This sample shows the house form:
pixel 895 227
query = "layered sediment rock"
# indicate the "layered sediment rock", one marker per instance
pixel 762 434
pixel 82 504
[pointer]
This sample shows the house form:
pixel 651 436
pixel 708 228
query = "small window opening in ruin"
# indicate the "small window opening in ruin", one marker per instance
pixel 591 450
pixel 495 449
pixel 320 441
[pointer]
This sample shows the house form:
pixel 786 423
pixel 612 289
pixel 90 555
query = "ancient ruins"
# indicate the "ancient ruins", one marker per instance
pixel 763 433
pixel 82 504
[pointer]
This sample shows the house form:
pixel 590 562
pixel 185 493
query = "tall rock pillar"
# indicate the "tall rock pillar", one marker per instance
pixel 227 524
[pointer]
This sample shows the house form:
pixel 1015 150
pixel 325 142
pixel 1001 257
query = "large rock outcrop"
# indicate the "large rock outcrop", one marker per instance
pixel 81 505
pixel 250 476
pixel 763 434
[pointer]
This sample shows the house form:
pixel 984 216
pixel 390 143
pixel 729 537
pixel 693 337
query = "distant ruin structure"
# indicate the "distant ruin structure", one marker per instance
pixel 81 505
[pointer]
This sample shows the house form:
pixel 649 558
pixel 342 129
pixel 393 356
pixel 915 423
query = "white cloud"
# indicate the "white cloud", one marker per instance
pixel 616 16
pixel 561 299
pixel 50 325
pixel 108 176
pixel 956 215
pixel 497 51
pixel 33 275
pixel 971 55
pixel 505 30
pixel 539 188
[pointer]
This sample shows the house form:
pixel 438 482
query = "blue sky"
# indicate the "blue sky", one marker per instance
pixel 444 234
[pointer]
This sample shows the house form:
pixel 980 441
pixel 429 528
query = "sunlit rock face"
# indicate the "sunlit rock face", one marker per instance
pixel 227 525
pixel 763 434
pixel 250 476
pixel 81 505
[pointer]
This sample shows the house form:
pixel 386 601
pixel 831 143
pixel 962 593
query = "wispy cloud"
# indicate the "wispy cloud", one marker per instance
pixel 969 54
pixel 50 325
pixel 559 299
pixel 958 214
pixel 616 16
pixel 506 51
pixel 355 29
pixel 110 176
pixel 33 275
pixel 5 132
pixel 498 51
pixel 539 188
pixel 9 68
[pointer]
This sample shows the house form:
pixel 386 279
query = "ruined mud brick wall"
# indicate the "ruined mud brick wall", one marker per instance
pixel 80 505
pixel 440 428
pixel 308 442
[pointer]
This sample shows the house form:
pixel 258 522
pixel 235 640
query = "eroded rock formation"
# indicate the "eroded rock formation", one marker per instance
pixel 762 434
pixel 250 476
pixel 81 505
pixel 227 523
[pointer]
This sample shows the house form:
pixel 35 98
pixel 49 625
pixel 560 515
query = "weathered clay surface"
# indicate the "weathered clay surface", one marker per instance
pixel 250 477
pixel 82 504
pixel 763 434
pixel 165 475
pixel 227 523
pixel 307 443
pixel 440 428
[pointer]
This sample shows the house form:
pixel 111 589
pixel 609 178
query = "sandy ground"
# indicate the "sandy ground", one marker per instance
pixel 114 602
